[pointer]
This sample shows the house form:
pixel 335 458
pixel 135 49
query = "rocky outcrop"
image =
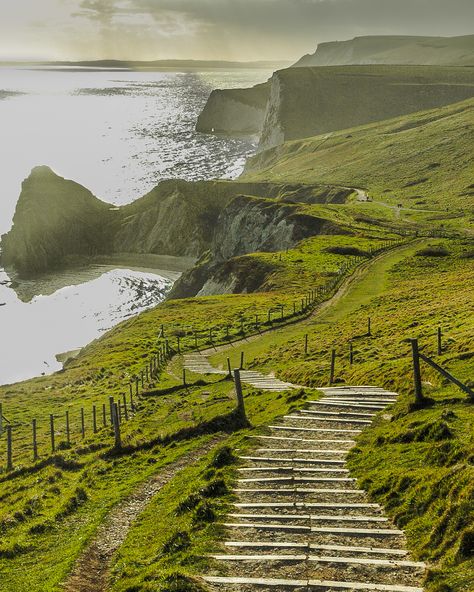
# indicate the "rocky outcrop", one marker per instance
pixel 248 225
pixel 235 111
pixel 393 49
pixel 54 220
pixel 307 102
pixel 57 221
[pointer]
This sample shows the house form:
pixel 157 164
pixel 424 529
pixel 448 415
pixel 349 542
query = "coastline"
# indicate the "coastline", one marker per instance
pixel 88 269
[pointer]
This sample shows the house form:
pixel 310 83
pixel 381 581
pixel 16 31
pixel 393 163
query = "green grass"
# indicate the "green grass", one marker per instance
pixel 423 161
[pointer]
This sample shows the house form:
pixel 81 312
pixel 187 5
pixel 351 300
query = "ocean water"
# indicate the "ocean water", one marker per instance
pixel 117 133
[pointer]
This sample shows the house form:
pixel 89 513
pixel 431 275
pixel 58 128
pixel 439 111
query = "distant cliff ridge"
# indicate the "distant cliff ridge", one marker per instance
pixel 58 221
pixel 315 97
pixel 393 49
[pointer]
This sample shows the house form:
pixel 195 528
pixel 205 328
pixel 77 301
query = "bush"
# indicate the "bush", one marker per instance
pixel 433 252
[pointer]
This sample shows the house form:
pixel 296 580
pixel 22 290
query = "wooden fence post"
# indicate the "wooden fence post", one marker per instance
pixel 333 366
pixel 83 423
pixel 125 408
pixel 1 419
pixel 229 368
pixel 9 448
pixel 416 371
pixel 111 408
pixel 116 424
pixel 240 396
pixel 440 342
pixel 35 441
pixel 51 427
pixel 306 344
pixel 184 377
pixel 136 386
pixel 68 428
pixel 241 360
pixel 369 327
pixel 104 414
pixel 94 418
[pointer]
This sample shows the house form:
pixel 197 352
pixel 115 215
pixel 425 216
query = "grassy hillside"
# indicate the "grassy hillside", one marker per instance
pixel 424 161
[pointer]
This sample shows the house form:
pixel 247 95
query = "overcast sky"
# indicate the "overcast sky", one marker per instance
pixel 212 29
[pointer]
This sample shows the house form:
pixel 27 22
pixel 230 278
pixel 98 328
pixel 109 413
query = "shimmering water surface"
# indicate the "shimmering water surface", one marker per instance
pixel 117 133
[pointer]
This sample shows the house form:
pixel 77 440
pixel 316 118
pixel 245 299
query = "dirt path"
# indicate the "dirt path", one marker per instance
pixel 92 569
pixel 360 272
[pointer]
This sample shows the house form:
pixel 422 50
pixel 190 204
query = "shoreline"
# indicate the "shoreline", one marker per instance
pixel 166 266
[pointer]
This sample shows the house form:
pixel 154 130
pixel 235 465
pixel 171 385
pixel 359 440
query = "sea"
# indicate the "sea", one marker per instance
pixel 118 133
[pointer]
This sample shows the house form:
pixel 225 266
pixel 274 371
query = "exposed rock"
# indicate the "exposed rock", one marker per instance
pixel 306 102
pixel 249 225
pixel 55 219
pixel 235 111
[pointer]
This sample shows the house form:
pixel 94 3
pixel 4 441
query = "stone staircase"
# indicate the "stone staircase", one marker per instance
pixel 300 521
pixel 199 363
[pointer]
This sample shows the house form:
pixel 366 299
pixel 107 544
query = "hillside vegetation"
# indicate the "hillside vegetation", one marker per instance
pixel 298 225
pixel 424 161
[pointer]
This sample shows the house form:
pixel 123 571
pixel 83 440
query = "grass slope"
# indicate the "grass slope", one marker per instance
pixel 423 161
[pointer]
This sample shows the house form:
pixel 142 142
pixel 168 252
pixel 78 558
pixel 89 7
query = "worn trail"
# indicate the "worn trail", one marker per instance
pixel 92 570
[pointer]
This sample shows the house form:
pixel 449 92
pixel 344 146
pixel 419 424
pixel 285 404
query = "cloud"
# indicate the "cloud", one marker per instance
pixel 232 29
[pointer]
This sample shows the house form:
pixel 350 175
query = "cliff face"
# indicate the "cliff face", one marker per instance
pixel 248 225
pixel 306 102
pixel 55 219
pixel 58 220
pixel 235 111
pixel 393 49
pixel 249 110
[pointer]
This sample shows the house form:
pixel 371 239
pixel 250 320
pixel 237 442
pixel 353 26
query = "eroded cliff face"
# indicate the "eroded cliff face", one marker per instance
pixel 56 219
pixel 235 111
pixel 248 225
pixel 306 102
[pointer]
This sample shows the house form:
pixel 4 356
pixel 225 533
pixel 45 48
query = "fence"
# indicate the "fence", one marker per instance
pixel 172 341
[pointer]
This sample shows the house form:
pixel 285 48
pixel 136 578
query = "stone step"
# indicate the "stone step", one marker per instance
pixel 302 450
pixel 314 584
pixel 308 505
pixel 314 518
pixel 323 559
pixel 332 414
pixel 315 547
pixel 328 419
pixel 276 469
pixel 297 480
pixel 325 403
pixel 271 459
pixel 314 430
pixel 299 490
pixel 303 440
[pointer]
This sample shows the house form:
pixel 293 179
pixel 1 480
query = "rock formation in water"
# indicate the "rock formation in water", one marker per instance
pixel 235 111
pixel 58 221
pixel 54 220
pixel 393 49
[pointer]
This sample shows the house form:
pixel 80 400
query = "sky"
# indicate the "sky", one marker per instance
pixel 212 29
